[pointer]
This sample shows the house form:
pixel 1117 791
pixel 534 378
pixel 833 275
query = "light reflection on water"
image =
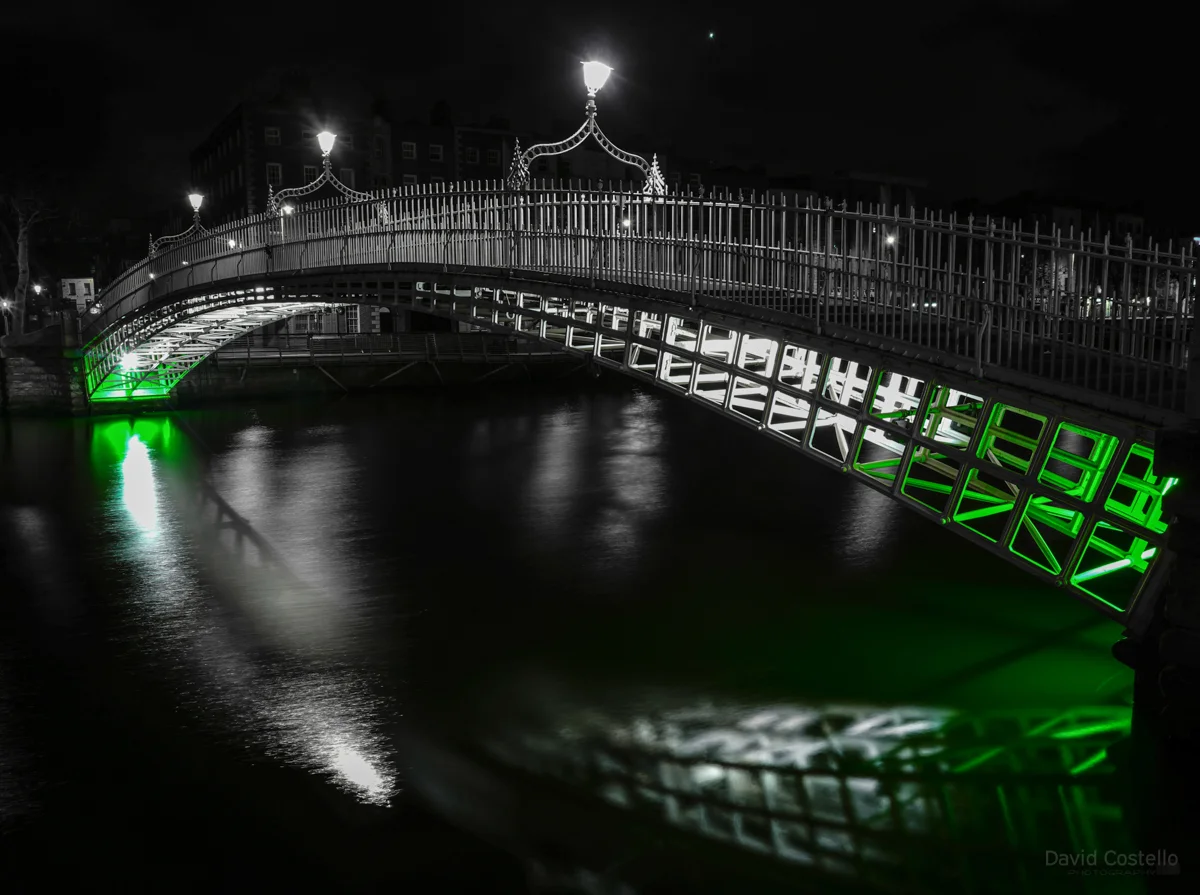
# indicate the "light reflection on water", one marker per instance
pixel 308 714
pixel 430 542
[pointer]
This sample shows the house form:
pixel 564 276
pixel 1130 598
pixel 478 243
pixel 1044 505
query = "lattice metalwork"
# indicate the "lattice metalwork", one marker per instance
pixel 907 798
pixel 148 356
pixel 1065 499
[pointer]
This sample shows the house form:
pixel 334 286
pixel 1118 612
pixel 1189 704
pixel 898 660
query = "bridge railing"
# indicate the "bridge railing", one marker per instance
pixel 1108 318
pixel 266 347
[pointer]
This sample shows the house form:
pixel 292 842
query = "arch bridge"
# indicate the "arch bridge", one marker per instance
pixel 1002 383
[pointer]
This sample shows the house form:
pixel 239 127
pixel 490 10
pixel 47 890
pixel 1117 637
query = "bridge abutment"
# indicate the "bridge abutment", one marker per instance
pixel 42 378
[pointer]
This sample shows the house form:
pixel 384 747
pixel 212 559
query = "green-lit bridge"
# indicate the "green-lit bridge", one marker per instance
pixel 1006 384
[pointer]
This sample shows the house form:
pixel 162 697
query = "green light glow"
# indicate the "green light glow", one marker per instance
pixel 1090 763
pixel 1075 733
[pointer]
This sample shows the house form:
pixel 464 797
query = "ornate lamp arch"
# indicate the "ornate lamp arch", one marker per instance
pixel 518 176
pixel 196 231
pixel 275 200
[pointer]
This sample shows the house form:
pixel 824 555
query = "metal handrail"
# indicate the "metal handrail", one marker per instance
pixel 1105 317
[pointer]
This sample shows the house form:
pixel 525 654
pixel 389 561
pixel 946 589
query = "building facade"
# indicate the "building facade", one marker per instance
pixel 273 145
pixel 79 292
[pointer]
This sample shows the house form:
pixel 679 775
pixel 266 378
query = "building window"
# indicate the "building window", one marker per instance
pixel 378 181
pixel 410 179
pixel 87 287
pixel 347 140
pixel 274 174
pixel 437 179
pixel 493 156
pixel 472 155
pixel 71 287
pixel 380 146
pixel 271 136
pixel 352 319
pixel 347 177
pixel 435 152
pixel 307 133
pixel 408 150
pixel 310 173
pixel 694 178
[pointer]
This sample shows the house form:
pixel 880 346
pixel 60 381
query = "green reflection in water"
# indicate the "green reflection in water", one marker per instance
pixel 135 449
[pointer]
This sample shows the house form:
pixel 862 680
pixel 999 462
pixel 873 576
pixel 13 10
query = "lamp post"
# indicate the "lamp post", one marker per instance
pixel 595 75
pixel 276 202
pixel 196 200
pixel 196 230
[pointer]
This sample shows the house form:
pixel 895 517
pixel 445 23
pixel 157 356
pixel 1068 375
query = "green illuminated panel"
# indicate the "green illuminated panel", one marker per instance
pixel 930 479
pixel 1077 461
pixel 1046 533
pixel 985 504
pixel 1137 494
pixel 1112 565
pixel 951 417
pixel 1010 437
pixel 879 454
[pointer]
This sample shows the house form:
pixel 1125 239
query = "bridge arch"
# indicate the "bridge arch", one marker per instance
pixel 895 384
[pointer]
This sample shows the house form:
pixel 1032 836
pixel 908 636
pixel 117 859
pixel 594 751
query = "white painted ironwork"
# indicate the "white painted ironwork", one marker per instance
pixel 277 202
pixel 1024 478
pixel 196 231
pixel 518 177
pixel 1006 306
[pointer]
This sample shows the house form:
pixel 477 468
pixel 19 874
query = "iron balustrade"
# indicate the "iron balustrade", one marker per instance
pixel 430 347
pixel 1106 319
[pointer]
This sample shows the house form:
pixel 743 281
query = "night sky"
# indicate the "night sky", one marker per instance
pixel 984 100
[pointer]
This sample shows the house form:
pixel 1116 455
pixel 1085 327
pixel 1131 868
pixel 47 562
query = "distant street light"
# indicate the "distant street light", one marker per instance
pixel 625 223
pixel 37 289
pixel 890 239
pixel 287 209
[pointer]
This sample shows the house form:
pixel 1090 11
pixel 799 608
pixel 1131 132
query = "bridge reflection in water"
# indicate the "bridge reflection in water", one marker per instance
pixel 903 799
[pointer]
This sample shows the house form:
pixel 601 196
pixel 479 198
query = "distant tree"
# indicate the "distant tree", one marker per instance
pixel 25 212
pixel 25 204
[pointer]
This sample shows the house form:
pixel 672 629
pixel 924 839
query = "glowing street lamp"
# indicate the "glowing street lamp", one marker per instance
pixel 890 239
pixel 37 289
pixel 325 140
pixel 595 74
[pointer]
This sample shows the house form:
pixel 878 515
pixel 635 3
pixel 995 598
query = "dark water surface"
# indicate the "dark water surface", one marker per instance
pixel 180 709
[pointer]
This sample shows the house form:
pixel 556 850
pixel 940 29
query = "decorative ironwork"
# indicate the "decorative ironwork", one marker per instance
pixel 196 231
pixel 274 199
pixel 518 177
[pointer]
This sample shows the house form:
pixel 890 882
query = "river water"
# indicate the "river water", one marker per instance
pixel 179 706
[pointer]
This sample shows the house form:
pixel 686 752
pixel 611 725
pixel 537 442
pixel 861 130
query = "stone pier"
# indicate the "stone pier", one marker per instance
pixel 42 377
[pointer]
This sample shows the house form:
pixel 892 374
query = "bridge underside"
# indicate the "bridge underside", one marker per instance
pixel 1070 497
pixel 146 359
